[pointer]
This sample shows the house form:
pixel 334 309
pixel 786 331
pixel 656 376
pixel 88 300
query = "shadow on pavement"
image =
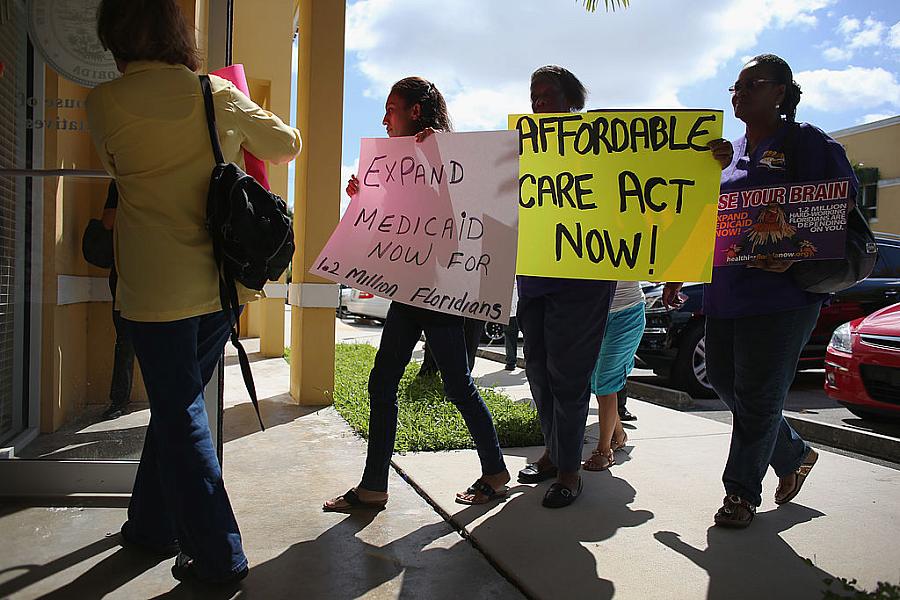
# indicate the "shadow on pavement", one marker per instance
pixel 755 562
pixel 518 524
pixel 240 419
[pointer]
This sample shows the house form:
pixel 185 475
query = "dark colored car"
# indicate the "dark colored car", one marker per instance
pixel 673 344
pixel 862 368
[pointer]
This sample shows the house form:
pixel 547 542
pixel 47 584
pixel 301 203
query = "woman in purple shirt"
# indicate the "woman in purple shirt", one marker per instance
pixel 757 319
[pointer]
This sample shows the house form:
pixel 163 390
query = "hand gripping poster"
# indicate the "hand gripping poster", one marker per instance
pixel 800 221
pixel 434 224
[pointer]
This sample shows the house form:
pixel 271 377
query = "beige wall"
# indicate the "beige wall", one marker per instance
pixel 878 145
pixel 262 43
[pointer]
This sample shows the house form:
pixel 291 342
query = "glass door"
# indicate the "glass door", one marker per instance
pixel 58 342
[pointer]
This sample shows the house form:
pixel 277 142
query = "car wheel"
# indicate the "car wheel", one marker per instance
pixel 492 332
pixel 689 371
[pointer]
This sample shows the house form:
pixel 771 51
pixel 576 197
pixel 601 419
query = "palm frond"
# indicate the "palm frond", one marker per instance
pixel 591 5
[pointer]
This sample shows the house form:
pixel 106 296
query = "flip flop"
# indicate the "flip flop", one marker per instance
pixel 353 503
pixel 800 476
pixel 480 487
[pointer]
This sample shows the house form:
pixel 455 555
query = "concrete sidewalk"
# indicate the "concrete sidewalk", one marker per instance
pixel 277 481
pixel 641 530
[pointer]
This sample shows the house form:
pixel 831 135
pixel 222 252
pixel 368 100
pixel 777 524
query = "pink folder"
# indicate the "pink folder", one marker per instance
pixel 254 167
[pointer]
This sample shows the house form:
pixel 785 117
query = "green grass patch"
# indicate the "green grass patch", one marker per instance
pixel 426 421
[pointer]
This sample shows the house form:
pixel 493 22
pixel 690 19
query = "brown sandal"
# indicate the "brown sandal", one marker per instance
pixel 620 445
pixel 607 459
pixel 782 496
pixel 736 512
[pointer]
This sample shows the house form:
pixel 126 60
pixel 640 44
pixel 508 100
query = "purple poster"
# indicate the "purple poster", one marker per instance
pixel 801 221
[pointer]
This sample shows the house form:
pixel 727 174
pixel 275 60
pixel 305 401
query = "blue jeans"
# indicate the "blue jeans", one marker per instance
pixel 563 334
pixel 751 362
pixel 178 492
pixel 402 329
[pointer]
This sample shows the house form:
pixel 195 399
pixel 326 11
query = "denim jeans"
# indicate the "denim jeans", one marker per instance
pixel 511 339
pixel 123 364
pixel 402 329
pixel 473 329
pixel 178 492
pixel 563 334
pixel 751 362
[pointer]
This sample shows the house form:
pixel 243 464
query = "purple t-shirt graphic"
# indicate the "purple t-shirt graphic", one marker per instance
pixel 740 291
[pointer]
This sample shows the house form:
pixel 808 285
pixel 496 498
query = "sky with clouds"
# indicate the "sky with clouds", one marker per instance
pixel 658 53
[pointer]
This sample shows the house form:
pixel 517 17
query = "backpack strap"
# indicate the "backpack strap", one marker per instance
pixel 211 119
pixel 227 288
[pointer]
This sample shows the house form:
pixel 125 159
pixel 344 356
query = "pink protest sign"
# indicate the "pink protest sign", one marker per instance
pixel 252 165
pixel 434 224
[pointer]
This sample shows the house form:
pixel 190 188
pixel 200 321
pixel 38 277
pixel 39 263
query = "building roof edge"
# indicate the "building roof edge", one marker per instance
pixel 866 127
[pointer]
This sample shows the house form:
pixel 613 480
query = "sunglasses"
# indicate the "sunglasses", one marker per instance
pixel 749 85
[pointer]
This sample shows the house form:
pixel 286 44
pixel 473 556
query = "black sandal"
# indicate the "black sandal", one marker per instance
pixel 736 512
pixel 353 503
pixel 480 487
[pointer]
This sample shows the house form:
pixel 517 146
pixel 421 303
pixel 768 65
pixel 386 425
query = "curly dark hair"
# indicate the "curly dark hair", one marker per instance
pixel 415 90
pixel 571 86
pixel 147 30
pixel 781 72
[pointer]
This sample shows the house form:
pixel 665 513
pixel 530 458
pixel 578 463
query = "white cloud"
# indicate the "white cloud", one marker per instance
pixel 837 54
pixel 894 36
pixel 857 34
pixel 346 172
pixel 870 118
pixel 850 88
pixel 868 34
pixel 481 53
pixel 848 25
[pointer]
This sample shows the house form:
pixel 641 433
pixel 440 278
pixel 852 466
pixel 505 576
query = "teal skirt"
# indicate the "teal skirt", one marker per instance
pixel 624 330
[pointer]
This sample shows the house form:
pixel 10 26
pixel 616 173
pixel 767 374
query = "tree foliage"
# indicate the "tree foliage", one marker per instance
pixel 591 5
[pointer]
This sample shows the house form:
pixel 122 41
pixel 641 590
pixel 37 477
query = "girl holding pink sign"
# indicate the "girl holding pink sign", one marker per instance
pixel 416 107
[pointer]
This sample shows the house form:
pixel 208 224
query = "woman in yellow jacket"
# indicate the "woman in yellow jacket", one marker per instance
pixel 149 128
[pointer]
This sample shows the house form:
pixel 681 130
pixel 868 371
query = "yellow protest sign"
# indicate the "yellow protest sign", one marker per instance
pixel 623 195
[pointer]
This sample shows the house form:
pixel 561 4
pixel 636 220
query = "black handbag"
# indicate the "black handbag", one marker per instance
pixel 97 244
pixel 837 274
pixel 834 275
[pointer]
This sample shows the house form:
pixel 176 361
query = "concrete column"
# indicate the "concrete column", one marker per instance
pixel 271 325
pixel 320 101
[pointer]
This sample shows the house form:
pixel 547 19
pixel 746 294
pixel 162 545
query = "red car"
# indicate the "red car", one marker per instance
pixel 862 364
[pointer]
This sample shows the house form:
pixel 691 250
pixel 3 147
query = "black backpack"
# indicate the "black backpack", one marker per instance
pixel 252 235
pixel 837 274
